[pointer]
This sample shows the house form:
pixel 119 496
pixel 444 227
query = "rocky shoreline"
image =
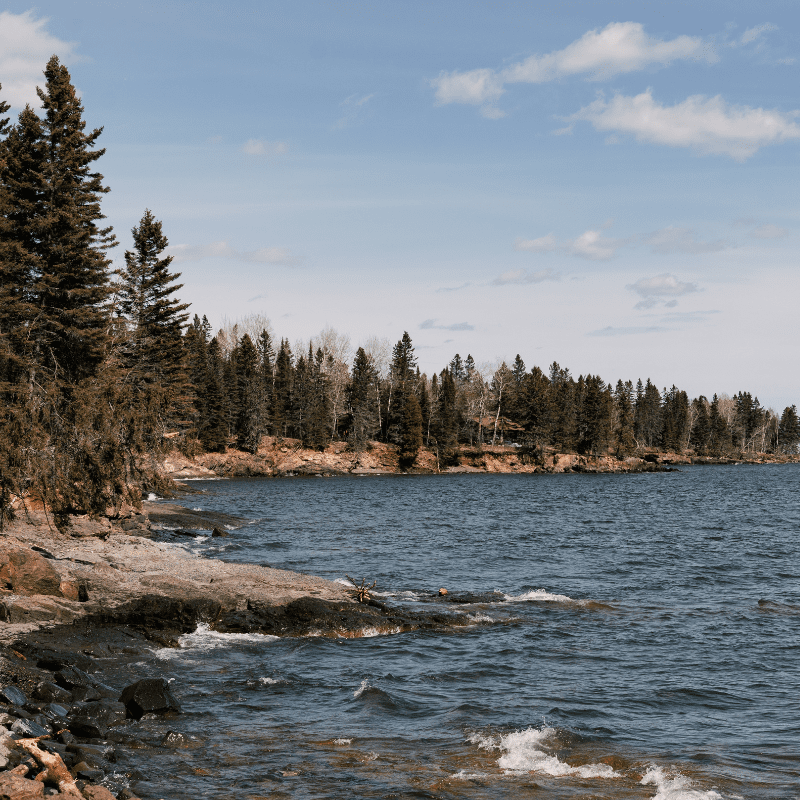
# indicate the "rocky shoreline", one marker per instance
pixel 287 458
pixel 72 600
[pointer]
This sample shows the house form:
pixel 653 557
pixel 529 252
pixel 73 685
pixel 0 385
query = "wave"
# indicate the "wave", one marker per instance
pixel 204 639
pixel 543 596
pixel 675 787
pixel 527 751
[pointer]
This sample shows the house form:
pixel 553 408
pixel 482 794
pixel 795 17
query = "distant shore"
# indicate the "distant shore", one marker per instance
pixel 287 458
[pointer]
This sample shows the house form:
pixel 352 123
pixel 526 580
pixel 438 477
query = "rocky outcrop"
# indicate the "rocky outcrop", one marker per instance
pixel 25 571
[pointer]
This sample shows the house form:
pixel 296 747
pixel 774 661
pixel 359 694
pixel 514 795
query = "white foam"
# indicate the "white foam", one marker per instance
pixel 204 639
pixel 153 496
pixel 361 689
pixel 479 618
pixel 270 681
pixel 200 538
pixel 463 775
pixel 343 741
pixel 526 751
pixel 542 596
pixel 344 582
pixel 675 786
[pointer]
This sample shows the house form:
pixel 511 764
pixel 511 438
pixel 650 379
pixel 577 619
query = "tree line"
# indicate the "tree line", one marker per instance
pixel 101 370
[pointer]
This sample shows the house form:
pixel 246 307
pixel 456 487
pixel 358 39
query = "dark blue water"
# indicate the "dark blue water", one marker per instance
pixel 643 641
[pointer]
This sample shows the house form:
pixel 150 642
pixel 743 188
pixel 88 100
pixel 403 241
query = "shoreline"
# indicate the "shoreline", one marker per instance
pixel 286 458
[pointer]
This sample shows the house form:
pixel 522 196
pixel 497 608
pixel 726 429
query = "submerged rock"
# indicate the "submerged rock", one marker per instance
pixel 149 696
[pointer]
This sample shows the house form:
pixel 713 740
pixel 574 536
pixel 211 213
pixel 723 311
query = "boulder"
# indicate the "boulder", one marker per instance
pixel 97 793
pixel 149 696
pixel 15 787
pixel 49 692
pixel 26 572
pixel 93 720
pixel 13 696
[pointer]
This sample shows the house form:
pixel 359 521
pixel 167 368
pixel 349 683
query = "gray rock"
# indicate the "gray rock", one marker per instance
pixel 27 728
pixel 13 696
pixel 149 696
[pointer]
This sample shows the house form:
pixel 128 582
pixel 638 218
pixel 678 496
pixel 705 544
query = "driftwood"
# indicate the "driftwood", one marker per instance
pixel 55 770
pixel 362 590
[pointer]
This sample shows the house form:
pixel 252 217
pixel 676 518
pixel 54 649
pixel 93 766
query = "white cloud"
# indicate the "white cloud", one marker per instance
pixel 264 255
pixel 769 231
pixel 544 244
pixel 661 289
pixel 352 107
pixel 681 240
pixel 618 48
pixel 430 324
pixel 260 147
pixel 522 276
pixel 475 87
pixel 627 331
pixel 594 246
pixel 707 125
pixel 756 32
pixel 25 48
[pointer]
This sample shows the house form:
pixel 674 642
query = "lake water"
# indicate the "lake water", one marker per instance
pixel 642 641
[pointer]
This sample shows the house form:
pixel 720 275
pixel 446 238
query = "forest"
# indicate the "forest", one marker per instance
pixel 102 371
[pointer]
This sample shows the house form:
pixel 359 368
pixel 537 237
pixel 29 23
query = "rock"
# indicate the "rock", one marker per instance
pixel 13 696
pixel 97 793
pixel 219 532
pixel 97 754
pixel 94 719
pixel 442 592
pixel 51 693
pixel 15 787
pixel 26 572
pixel 71 678
pixel 174 739
pixel 87 773
pixel 158 613
pixel 53 660
pixel 149 696
pixel 28 729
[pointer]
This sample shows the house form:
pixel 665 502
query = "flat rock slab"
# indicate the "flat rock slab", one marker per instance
pixel 172 515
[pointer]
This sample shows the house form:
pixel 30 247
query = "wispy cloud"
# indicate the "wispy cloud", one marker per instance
pixel 522 276
pixel 591 244
pixel 769 231
pixel 594 246
pixel 264 255
pixel 544 244
pixel 682 240
pixel 352 107
pixel 757 32
pixel 707 125
pixel 633 330
pixel 620 47
pixel 432 324
pixel 661 289
pixel 261 147
pixel 454 288
pixel 25 47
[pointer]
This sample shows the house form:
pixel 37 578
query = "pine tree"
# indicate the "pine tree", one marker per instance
pixel 789 430
pixel 73 271
pixel 411 431
pixel 153 352
pixel 214 428
pixel 282 394
pixel 251 422
pixel 623 400
pixel 701 427
pixel 361 399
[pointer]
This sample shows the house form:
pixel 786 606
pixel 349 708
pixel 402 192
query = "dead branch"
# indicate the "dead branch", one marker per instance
pixel 362 590
pixel 55 770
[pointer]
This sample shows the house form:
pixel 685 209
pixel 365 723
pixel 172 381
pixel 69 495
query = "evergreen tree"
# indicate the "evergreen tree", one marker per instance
pixel 539 408
pixel 153 351
pixel 623 435
pixel 446 424
pixel 214 428
pixel 789 430
pixel 720 433
pixel 701 427
pixel 282 395
pixel 72 286
pixel 594 428
pixel 364 423
pixel 411 436
pixel 251 421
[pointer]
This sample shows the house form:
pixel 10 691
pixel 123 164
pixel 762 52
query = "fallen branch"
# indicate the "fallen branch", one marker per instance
pixel 362 590
pixel 55 770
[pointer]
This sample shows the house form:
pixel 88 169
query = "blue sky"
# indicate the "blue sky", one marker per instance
pixel 610 185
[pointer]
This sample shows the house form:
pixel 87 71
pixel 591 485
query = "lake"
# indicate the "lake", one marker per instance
pixel 641 639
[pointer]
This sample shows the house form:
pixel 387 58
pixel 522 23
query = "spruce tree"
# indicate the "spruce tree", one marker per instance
pixel 411 436
pixel 73 285
pixel 789 430
pixel 153 351
pixel 623 435
pixel 251 422
pixel 361 400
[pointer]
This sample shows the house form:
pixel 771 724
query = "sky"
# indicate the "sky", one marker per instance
pixel 609 185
